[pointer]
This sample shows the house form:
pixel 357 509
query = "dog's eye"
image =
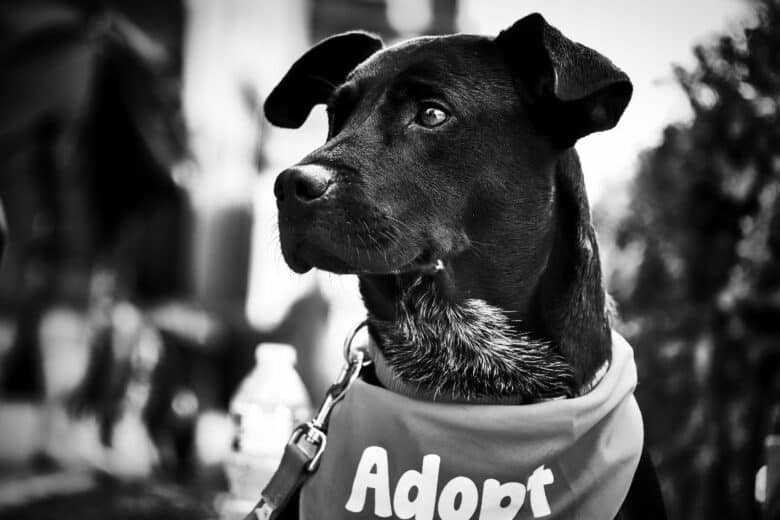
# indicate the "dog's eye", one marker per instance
pixel 430 116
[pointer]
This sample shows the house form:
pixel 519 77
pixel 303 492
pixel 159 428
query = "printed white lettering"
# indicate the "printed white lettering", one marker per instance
pixel 539 478
pixel 422 506
pixel 494 493
pixel 415 496
pixel 372 472
pixel 449 509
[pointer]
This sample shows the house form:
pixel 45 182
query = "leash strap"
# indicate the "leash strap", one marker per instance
pixel 307 443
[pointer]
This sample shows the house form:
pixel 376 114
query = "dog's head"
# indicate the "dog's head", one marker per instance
pixel 456 148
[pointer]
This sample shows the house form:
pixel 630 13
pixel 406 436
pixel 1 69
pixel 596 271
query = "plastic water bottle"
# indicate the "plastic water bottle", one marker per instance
pixel 270 402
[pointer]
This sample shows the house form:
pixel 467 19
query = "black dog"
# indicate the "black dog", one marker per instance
pixel 450 186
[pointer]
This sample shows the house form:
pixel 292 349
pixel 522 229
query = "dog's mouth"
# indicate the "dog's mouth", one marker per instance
pixel 359 261
pixel 347 235
pixel 372 252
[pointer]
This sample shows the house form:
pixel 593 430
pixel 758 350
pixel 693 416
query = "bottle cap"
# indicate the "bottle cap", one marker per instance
pixel 276 353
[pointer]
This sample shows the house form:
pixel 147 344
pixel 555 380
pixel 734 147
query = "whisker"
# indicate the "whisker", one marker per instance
pixel 404 225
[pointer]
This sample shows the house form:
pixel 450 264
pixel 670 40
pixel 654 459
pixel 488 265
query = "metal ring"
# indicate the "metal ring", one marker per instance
pixel 348 343
pixel 262 511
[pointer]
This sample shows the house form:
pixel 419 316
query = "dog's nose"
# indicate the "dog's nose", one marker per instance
pixel 303 183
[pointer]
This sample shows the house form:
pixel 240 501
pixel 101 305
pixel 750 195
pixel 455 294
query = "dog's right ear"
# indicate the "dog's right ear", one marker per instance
pixel 315 75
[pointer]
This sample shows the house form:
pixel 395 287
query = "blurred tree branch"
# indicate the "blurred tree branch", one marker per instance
pixel 91 127
pixel 704 305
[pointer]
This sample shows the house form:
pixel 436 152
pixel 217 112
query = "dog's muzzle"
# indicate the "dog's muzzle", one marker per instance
pixel 302 197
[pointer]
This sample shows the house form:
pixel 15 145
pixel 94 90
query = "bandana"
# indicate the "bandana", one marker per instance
pixel 390 456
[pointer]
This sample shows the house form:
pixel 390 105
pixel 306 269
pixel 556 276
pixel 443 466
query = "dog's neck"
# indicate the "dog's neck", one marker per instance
pixel 431 346
pixel 533 316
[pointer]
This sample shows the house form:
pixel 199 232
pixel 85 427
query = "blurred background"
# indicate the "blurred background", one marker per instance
pixel 142 264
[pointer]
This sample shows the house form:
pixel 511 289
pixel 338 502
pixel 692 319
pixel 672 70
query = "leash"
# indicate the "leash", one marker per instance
pixel 304 449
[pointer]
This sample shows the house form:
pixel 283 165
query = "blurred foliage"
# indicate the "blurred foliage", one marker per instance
pixel 118 501
pixel 703 305
pixel 91 127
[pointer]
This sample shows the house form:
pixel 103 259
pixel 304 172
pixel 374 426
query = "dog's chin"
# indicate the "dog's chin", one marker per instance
pixel 303 259
pixel 304 251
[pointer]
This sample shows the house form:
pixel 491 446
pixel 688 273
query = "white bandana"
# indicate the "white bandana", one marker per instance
pixel 393 457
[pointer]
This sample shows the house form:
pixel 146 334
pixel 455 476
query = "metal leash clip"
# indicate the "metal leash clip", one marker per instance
pixel 307 443
pixel 313 431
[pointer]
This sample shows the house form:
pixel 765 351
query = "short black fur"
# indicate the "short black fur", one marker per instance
pixel 484 211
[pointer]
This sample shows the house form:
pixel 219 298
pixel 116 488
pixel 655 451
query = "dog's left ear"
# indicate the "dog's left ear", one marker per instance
pixel 572 90
pixel 315 75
